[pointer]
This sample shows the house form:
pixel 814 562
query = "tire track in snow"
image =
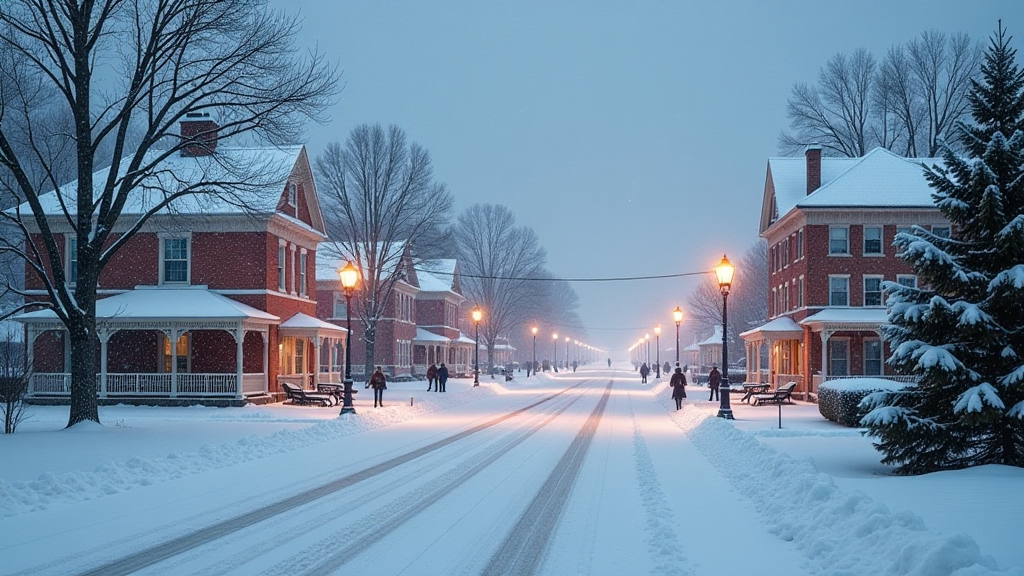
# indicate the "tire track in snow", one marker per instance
pixel 663 544
pixel 160 552
pixel 523 550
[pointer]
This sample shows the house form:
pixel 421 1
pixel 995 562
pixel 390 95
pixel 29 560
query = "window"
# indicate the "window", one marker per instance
pixel 800 293
pixel 293 194
pixel 872 240
pixel 302 273
pixel 872 290
pixel 280 267
pixel 72 260
pixel 908 280
pixel 175 260
pixel 838 240
pixel 181 350
pixel 838 357
pixel 941 231
pixel 873 357
pixel 775 302
pixel 838 290
pixel 340 306
pixel 293 260
pixel 300 356
pixel 785 297
pixel 785 253
pixel 799 243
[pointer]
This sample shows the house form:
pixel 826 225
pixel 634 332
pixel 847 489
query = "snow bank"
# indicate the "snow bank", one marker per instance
pixel 840 533
pixel 117 476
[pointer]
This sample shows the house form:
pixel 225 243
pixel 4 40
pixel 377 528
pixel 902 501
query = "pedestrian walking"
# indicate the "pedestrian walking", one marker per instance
pixel 432 376
pixel 678 384
pixel 667 369
pixel 379 384
pixel 442 377
pixel 574 365
pixel 714 379
pixel 644 371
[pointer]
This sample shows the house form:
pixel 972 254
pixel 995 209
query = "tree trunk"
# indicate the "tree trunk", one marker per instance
pixel 371 342
pixel 83 373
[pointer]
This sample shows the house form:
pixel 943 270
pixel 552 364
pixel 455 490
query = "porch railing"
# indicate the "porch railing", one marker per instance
pixel 151 384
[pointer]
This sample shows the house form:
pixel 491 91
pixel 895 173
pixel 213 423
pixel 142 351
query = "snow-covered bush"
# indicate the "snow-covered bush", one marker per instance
pixel 840 400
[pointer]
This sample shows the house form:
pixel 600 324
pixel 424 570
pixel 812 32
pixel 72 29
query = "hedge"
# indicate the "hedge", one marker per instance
pixel 839 400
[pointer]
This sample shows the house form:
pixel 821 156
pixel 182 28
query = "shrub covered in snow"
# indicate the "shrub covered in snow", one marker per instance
pixel 839 400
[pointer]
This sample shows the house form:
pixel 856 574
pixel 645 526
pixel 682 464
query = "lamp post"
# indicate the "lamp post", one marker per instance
pixel 724 271
pixel 349 276
pixel 677 315
pixel 477 315
pixel 657 346
pixel 647 338
pixel 554 352
pixel 567 353
pixel 534 365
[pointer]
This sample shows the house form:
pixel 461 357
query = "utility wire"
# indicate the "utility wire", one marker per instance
pixel 541 279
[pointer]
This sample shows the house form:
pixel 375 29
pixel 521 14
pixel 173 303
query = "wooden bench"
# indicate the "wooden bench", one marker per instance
pixel 777 396
pixel 299 396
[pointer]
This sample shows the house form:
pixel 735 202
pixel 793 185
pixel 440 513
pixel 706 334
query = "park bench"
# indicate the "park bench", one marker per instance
pixel 299 396
pixel 777 396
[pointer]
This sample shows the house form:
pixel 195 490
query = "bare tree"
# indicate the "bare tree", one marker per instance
pixel 13 380
pixel 748 298
pixel 496 256
pixel 909 104
pixel 379 196
pixel 161 61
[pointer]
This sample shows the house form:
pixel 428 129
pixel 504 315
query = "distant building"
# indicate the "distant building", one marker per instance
pixel 830 224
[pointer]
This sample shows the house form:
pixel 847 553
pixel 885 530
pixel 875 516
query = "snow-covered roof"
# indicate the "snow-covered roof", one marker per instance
pixel 780 326
pixel 714 339
pixel 159 303
pixel 305 321
pixel 253 177
pixel 463 339
pixel 867 316
pixel 789 175
pixel 332 256
pixel 424 335
pixel 879 179
pixel 431 283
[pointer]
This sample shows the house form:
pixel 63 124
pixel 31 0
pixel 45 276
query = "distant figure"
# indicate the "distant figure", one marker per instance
pixel 574 365
pixel 667 369
pixel 379 384
pixel 431 376
pixel 678 384
pixel 644 371
pixel 442 377
pixel 714 379
pixel 609 362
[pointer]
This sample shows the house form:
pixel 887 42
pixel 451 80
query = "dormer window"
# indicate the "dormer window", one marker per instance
pixel 293 194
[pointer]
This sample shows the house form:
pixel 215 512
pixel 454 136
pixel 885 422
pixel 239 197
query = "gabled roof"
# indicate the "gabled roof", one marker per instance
pixel 780 327
pixel 714 339
pixel 440 275
pixel 865 316
pixel 331 257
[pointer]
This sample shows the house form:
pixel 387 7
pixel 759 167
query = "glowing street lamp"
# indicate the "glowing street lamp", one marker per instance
pixel 725 271
pixel 554 353
pixel 349 277
pixel 534 365
pixel 657 361
pixel 677 315
pixel 477 315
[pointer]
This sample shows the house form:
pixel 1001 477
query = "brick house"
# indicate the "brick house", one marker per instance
pixel 208 300
pixel 438 304
pixel 830 224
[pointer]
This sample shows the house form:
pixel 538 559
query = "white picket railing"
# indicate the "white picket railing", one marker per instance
pixel 152 384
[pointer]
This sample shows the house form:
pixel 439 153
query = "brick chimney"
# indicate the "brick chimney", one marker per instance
pixel 813 155
pixel 199 133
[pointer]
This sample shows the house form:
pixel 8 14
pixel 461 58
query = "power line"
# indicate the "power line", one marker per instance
pixel 536 279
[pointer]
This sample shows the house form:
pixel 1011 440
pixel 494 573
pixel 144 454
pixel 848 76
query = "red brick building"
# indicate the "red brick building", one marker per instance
pixel 208 300
pixel 830 224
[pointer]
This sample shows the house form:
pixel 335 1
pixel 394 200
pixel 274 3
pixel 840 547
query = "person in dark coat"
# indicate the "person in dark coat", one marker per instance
pixel 714 380
pixel 431 376
pixel 644 371
pixel 379 384
pixel 678 384
pixel 667 369
pixel 442 377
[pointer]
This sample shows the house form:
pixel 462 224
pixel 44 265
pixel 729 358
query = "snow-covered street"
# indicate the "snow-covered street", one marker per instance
pixel 585 473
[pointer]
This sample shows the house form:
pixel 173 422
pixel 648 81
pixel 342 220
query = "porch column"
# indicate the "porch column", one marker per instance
pixel 174 335
pixel 104 336
pixel 825 335
pixel 31 333
pixel 266 360
pixel 239 340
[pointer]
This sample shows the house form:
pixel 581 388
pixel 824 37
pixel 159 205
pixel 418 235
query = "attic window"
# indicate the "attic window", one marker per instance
pixel 293 193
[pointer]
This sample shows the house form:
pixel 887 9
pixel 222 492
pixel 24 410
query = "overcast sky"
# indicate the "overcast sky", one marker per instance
pixel 633 137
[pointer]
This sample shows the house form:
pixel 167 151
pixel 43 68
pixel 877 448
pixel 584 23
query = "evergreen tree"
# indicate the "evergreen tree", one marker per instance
pixel 962 330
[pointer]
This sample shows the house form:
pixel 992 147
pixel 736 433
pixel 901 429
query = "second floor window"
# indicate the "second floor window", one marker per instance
pixel 873 240
pixel 872 290
pixel 175 260
pixel 838 240
pixel 340 306
pixel 941 231
pixel 293 194
pixel 838 291
pixel 799 243
pixel 280 267
pixel 302 274
pixel 908 280
pixel 72 269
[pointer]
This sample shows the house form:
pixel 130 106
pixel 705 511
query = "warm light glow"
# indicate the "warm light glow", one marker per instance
pixel 477 314
pixel 554 336
pixel 677 315
pixel 349 276
pixel 657 330
pixel 724 271
pixel 566 339
pixel 647 336
pixel 534 330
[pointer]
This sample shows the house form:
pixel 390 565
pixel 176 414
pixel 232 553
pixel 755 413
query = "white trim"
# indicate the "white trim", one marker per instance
pixel 282 245
pixel 163 237
pixel 864 356
pixel 291 250
pixel 303 272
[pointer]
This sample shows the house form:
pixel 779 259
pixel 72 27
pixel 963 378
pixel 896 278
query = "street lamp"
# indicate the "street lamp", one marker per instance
pixel 724 271
pixel 534 365
pixel 554 353
pixel 677 315
pixel 477 315
pixel 349 276
pixel 657 361
pixel 567 353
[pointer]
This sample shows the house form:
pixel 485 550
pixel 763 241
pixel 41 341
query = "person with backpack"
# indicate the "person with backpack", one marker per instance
pixel 379 384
